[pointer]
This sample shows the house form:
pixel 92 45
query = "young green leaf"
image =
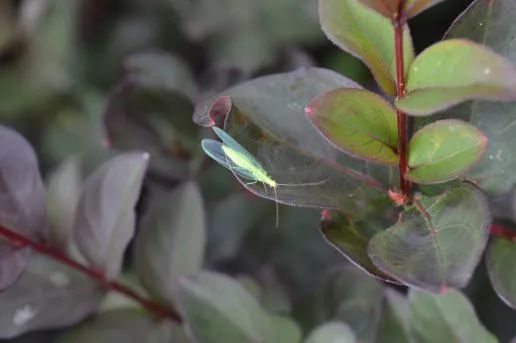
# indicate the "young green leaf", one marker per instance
pixel 490 23
pixel 391 8
pixel 171 240
pixel 444 150
pixel 368 35
pixel 332 332
pixel 358 122
pixel 501 255
pixel 437 243
pixel 445 318
pixel 453 71
pixel 105 218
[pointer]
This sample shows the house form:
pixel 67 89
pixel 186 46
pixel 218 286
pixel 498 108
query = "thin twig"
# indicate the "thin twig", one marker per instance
pixel 155 308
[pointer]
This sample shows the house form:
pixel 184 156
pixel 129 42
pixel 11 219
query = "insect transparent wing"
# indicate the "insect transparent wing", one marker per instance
pixel 214 150
pixel 232 143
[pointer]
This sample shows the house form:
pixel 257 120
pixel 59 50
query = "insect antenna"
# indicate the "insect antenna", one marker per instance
pixel 302 184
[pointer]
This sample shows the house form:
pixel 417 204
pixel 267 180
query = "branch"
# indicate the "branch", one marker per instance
pixel 157 309
pixel 401 92
pixel 503 232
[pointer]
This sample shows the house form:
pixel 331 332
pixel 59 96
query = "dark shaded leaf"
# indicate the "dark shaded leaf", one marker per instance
pixel 445 318
pixel 455 70
pixel 150 110
pixel 48 295
pixel 350 296
pixel 230 220
pixel 124 325
pixel 171 240
pixel 266 116
pixel 358 122
pixel 437 243
pixel 444 150
pixel 351 238
pixel 332 332
pixel 365 34
pixel 22 201
pixel 501 255
pixel 105 219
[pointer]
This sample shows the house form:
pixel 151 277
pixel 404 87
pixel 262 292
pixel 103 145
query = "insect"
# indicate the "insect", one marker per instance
pixel 236 158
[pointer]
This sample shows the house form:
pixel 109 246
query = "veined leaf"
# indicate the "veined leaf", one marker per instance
pixel 358 122
pixel 453 71
pixel 444 150
pixel 368 35
pixel 437 243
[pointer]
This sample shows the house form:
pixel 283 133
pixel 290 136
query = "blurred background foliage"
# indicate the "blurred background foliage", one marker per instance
pixel 83 79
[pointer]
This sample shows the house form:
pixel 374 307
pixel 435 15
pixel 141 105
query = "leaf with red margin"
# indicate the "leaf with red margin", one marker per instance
pixel 437 243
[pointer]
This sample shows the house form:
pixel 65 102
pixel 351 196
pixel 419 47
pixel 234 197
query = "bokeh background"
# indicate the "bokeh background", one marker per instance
pixel 72 71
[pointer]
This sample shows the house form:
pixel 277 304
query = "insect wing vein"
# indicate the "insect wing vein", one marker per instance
pixel 214 149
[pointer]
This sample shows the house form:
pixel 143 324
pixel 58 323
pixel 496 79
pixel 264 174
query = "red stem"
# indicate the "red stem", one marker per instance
pixel 503 232
pixel 157 309
pixel 401 92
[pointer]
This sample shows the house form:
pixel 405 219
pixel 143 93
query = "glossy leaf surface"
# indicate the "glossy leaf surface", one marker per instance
pixel 444 150
pixel 368 35
pixel 455 70
pixel 358 122
pixel 436 244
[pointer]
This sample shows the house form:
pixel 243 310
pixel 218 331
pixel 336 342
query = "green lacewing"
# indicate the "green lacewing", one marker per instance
pixel 236 158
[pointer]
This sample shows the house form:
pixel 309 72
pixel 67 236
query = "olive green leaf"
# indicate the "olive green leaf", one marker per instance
pixel 368 35
pixel 444 150
pixel 357 122
pixel 453 71
pixel 438 242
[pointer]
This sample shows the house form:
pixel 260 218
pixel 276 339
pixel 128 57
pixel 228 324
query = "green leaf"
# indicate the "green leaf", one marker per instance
pixel 445 318
pixel 218 309
pixel 390 8
pixel 394 326
pixel 358 122
pixel 501 255
pixel 266 116
pixel 437 243
pixel 64 186
pixel 125 325
pixel 48 295
pixel 105 218
pixel 332 332
pixel 490 23
pixel 367 35
pixel 285 330
pixel 351 239
pixel 349 295
pixel 453 71
pixel 230 220
pixel 171 240
pixel 444 150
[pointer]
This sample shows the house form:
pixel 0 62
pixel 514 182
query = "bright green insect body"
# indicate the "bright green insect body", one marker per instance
pixel 236 158
pixel 258 173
